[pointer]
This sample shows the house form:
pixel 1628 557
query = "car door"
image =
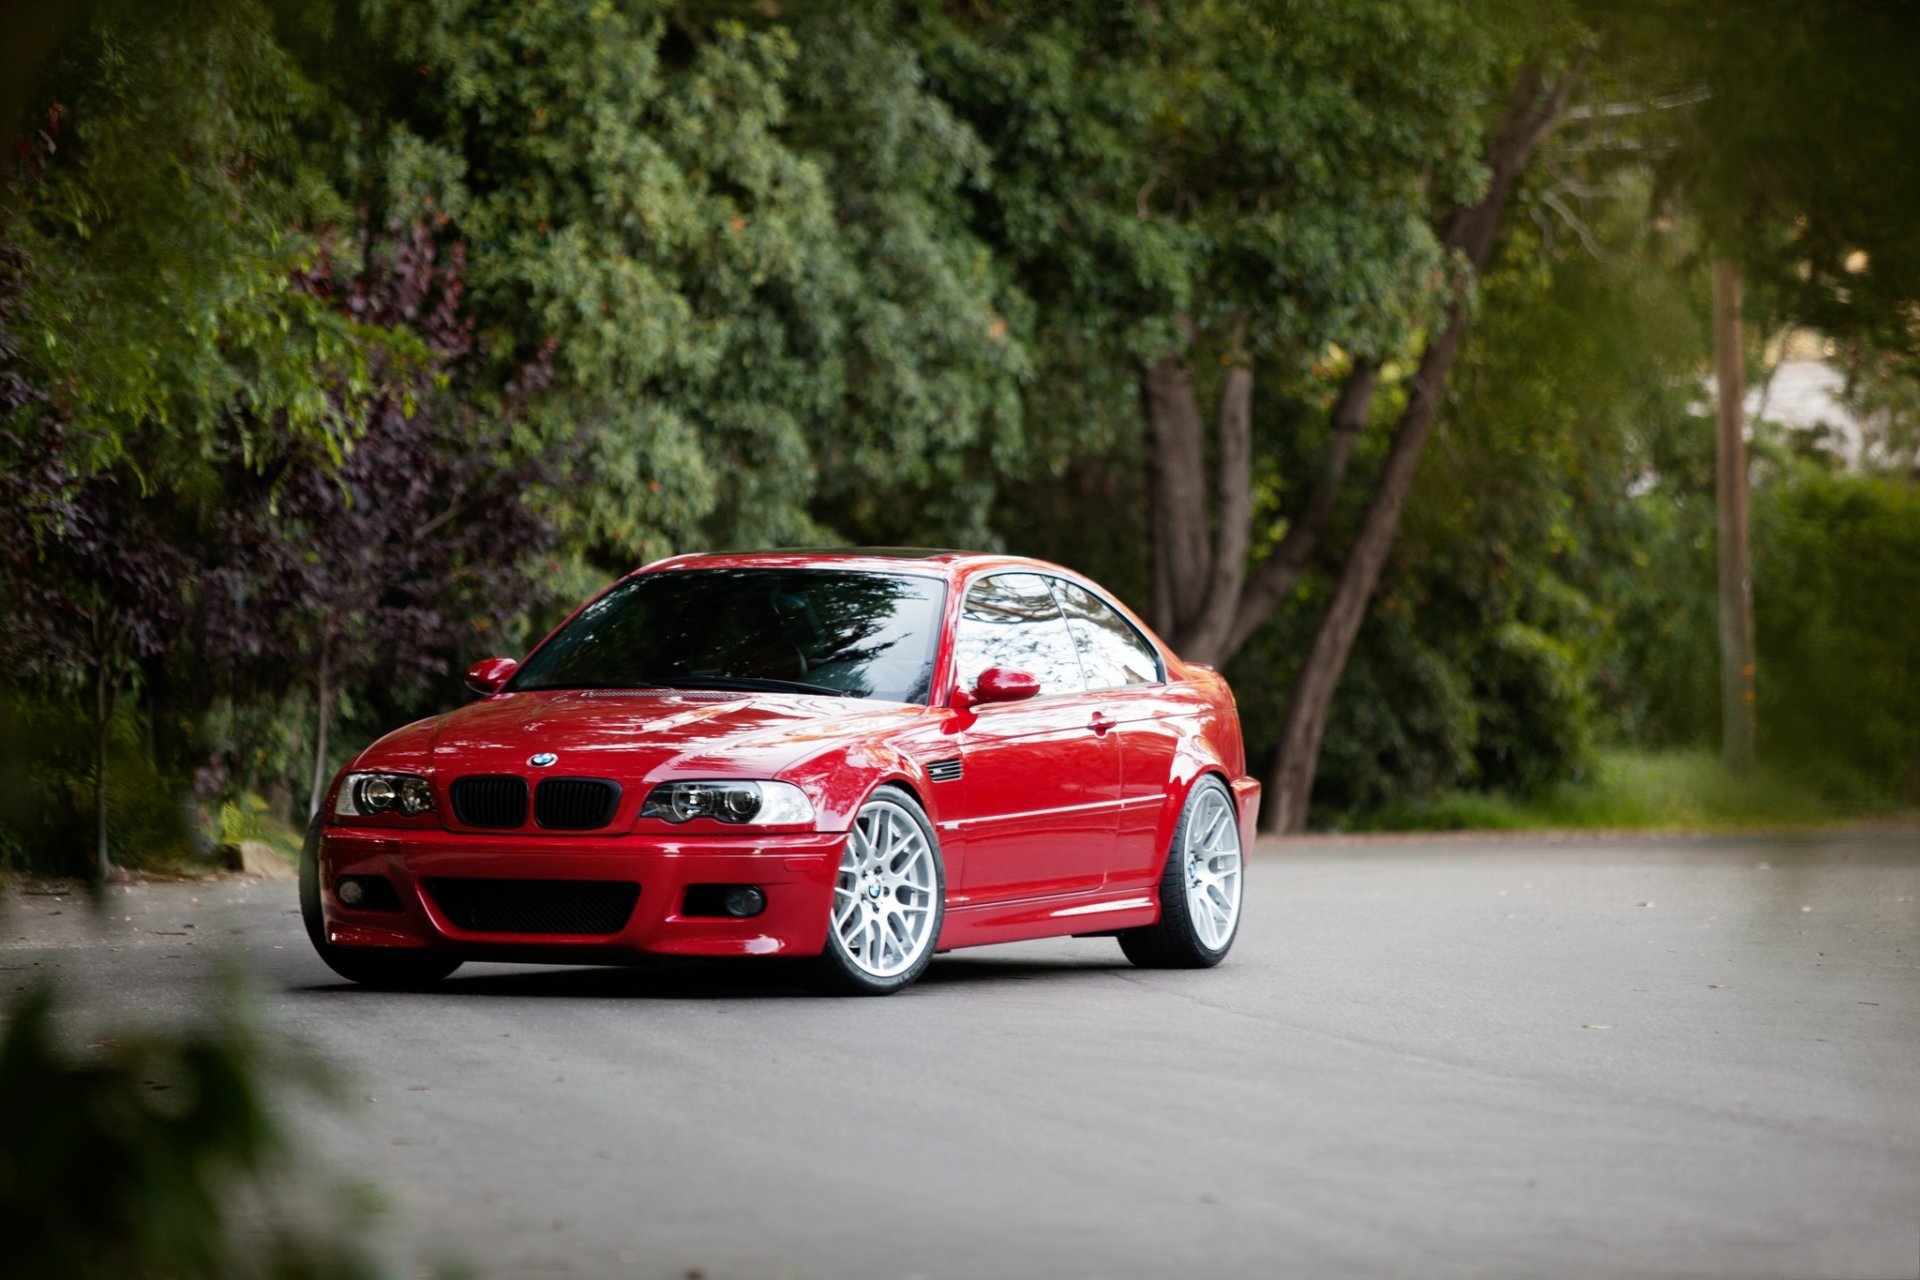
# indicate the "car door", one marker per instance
pixel 1126 685
pixel 1042 778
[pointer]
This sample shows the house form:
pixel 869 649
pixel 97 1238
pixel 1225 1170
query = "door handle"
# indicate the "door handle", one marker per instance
pixel 1100 724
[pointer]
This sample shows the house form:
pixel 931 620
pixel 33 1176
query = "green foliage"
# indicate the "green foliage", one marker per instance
pixel 1497 652
pixel 48 826
pixel 163 236
pixel 1404 722
pixel 1836 614
pixel 1267 162
pixel 745 288
pixel 1536 727
pixel 145 1156
pixel 886 273
pixel 247 817
pixel 1798 157
pixel 1836 584
pixel 1630 790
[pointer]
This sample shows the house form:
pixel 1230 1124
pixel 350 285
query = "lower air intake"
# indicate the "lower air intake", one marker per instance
pixel 592 907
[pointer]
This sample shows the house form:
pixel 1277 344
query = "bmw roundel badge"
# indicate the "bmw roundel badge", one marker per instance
pixel 542 759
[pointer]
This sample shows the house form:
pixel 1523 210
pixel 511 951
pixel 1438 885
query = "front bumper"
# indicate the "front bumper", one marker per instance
pixel 796 872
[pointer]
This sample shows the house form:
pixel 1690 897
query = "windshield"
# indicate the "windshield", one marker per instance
pixel 863 635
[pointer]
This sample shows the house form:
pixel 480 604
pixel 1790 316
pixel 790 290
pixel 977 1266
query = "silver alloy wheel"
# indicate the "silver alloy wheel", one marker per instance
pixel 1212 868
pixel 883 906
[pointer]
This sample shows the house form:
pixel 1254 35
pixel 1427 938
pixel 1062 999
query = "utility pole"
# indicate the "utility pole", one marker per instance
pixel 1736 590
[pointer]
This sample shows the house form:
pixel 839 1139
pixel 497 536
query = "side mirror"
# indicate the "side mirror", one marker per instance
pixel 1000 684
pixel 488 674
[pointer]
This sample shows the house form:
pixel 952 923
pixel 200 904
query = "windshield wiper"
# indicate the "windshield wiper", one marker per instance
pixel 759 682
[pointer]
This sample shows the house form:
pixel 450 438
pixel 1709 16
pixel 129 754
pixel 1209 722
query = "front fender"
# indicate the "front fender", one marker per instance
pixel 842 779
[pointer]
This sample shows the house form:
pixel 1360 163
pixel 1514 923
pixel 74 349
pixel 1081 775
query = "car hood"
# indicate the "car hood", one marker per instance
pixel 634 736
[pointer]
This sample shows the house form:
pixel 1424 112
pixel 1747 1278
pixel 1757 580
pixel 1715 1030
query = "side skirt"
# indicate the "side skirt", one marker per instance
pixel 1091 914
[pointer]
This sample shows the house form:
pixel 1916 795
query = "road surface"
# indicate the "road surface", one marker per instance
pixel 1525 1058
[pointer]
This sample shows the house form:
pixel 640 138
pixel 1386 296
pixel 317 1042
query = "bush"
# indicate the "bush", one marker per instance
pixel 1836 587
pixel 46 820
pixel 1535 717
pixel 1628 791
pixel 156 1154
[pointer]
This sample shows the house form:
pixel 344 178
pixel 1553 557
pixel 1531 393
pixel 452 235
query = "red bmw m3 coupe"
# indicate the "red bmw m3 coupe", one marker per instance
pixel 860 757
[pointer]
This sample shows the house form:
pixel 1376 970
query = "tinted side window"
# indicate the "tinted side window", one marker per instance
pixel 1111 652
pixel 1011 620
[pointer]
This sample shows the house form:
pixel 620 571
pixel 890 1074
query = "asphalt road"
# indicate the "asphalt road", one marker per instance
pixel 1435 1059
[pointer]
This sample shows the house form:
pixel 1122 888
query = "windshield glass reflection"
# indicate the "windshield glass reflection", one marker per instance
pixel 864 635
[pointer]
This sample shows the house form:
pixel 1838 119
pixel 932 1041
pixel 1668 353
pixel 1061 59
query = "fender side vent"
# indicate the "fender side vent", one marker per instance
pixel 944 771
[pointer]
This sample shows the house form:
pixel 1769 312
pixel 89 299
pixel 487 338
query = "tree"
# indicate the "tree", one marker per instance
pixel 1794 152
pixel 161 227
pixel 742 249
pixel 1533 107
pixel 214 406
pixel 1205 192
pixel 91 577
pixel 382 568
pixel 95 578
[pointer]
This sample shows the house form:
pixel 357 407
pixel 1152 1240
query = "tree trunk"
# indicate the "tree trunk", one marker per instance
pixel 1203 638
pixel 1205 602
pixel 1730 490
pixel 1274 580
pixel 1528 116
pixel 1326 660
pixel 323 706
pixel 102 727
pixel 1179 493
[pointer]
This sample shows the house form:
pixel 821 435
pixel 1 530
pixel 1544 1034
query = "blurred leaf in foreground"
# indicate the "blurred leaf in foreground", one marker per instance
pixel 158 1154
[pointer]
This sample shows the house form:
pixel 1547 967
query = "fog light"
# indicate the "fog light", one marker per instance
pixel 349 891
pixel 744 901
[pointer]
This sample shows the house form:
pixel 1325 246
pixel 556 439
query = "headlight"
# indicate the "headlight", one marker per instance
pixel 758 803
pixel 365 794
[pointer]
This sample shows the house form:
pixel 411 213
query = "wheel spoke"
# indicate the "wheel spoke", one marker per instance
pixel 1214 816
pixel 1213 882
pixel 884 907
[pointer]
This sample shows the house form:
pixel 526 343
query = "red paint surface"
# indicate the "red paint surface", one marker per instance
pixel 1059 823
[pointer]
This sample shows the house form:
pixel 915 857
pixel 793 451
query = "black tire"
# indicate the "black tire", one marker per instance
pixel 834 971
pixel 368 966
pixel 1174 942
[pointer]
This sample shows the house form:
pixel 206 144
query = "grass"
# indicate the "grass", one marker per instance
pixel 1633 790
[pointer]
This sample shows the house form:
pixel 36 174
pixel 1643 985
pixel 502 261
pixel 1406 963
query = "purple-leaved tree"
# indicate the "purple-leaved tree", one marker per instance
pixel 385 567
pixel 97 578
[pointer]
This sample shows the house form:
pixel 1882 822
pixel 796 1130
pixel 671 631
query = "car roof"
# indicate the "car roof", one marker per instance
pixel 943 562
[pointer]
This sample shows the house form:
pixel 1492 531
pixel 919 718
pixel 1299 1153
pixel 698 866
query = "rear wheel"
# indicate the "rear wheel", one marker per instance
pixel 369 966
pixel 1200 890
pixel 888 900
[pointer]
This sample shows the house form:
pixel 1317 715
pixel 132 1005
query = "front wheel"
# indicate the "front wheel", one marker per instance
pixel 888 900
pixel 1200 890
pixel 368 966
